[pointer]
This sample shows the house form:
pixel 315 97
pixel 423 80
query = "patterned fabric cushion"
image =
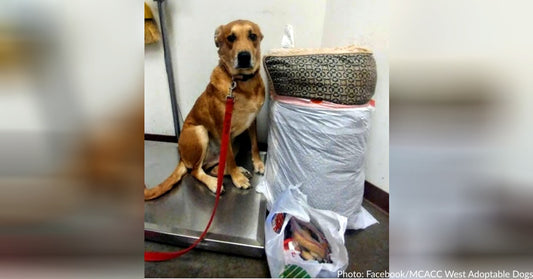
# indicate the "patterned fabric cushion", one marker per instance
pixel 343 75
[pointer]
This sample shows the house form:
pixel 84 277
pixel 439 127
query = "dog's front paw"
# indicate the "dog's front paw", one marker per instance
pixel 259 167
pixel 240 180
pixel 212 186
pixel 246 173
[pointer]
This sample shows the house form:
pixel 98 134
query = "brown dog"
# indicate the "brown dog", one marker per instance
pixel 239 51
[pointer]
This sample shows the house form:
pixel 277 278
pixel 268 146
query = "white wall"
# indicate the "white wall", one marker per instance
pixel 365 23
pixel 191 25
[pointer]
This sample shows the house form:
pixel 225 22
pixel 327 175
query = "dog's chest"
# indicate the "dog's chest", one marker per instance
pixel 243 124
pixel 244 113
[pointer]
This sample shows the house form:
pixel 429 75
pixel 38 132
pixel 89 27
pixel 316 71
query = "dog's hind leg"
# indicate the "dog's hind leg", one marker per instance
pixel 209 181
pixel 166 185
pixel 193 147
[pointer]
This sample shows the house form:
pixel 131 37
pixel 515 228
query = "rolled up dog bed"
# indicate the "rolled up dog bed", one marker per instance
pixel 344 75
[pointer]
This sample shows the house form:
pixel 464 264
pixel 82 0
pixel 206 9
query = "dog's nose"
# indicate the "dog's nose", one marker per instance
pixel 244 59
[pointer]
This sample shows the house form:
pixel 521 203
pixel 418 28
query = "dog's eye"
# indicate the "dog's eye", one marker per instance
pixel 252 36
pixel 231 38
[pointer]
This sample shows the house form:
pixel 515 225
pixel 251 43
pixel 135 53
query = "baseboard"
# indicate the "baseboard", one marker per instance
pixel 164 138
pixel 376 196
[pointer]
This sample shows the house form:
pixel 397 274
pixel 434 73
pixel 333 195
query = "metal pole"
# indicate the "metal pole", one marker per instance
pixel 170 72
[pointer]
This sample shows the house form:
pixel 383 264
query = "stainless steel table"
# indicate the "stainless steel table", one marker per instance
pixel 180 216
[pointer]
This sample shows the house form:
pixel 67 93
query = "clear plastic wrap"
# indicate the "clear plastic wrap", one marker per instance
pixel 321 147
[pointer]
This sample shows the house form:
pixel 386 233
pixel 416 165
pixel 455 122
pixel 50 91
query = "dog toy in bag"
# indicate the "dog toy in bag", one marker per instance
pixel 307 240
pixel 303 242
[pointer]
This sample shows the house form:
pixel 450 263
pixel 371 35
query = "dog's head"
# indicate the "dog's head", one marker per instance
pixel 238 45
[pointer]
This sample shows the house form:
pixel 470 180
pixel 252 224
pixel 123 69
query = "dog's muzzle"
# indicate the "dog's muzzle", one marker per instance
pixel 244 60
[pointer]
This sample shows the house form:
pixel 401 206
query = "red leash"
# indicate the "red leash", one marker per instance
pixel 163 256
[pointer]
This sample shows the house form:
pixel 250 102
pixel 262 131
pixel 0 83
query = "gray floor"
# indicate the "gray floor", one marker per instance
pixel 368 250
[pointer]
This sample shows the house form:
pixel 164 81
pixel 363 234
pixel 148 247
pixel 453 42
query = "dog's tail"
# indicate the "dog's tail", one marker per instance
pixel 166 185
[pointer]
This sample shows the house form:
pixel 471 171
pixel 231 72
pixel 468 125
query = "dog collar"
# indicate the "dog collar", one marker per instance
pixel 245 77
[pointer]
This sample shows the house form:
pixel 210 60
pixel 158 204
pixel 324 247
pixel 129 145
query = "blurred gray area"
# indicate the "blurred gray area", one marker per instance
pixel 456 203
pixel 460 141
pixel 70 160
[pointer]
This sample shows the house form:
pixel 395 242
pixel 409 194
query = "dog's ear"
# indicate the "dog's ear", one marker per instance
pixel 218 36
pixel 258 31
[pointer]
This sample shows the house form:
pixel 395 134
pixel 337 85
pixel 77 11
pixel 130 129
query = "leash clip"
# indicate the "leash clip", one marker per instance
pixel 232 86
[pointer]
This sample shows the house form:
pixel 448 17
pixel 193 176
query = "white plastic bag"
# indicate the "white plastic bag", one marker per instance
pixel 322 147
pixel 293 203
